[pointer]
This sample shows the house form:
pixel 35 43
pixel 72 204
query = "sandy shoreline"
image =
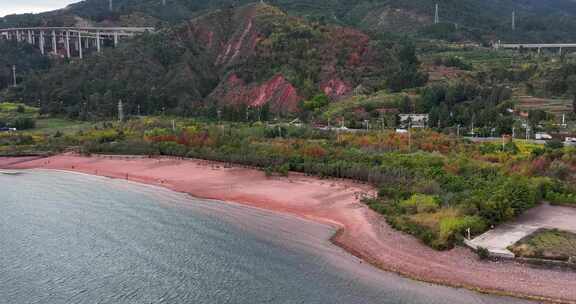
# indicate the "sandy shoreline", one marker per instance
pixel 362 232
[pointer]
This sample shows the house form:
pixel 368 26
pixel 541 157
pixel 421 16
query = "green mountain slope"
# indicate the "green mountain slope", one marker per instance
pixel 250 56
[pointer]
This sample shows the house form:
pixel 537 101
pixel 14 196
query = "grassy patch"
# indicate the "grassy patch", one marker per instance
pixel 9 112
pixel 547 244
pixel 49 125
pixel 477 57
pixel 8 107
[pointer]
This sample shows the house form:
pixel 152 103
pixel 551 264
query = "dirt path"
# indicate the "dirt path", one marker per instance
pixel 364 233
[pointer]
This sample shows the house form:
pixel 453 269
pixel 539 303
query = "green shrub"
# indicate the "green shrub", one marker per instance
pixel 395 191
pixel 377 205
pixel 24 123
pixel 172 149
pixel 559 170
pixel 483 253
pixel 282 170
pixel 557 198
pixel 420 203
pixel 450 227
pixel 510 197
pixel 554 144
pixel 122 148
pixel 316 102
pixel 452 61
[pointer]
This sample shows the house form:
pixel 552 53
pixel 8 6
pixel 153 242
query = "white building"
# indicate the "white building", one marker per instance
pixel 414 120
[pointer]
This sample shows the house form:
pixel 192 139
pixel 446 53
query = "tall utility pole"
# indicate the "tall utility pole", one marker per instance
pixel 437 14
pixel 120 111
pixel 513 20
pixel 14 75
pixel 410 134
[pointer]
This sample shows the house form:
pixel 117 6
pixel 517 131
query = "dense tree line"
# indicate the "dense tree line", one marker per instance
pixel 468 104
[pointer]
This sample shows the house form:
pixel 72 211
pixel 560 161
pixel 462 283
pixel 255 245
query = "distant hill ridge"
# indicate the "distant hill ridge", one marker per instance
pixel 537 20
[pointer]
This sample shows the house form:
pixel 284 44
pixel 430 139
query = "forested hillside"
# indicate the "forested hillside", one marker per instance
pixel 251 56
pixel 24 56
pixel 224 57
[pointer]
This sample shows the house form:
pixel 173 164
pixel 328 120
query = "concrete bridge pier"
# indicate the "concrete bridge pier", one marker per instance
pixel 54 44
pixel 80 46
pixel 98 47
pixel 67 45
pixel 41 42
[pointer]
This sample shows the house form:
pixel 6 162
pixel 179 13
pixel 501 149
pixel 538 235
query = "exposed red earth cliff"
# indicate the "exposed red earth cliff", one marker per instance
pixel 249 40
pixel 277 92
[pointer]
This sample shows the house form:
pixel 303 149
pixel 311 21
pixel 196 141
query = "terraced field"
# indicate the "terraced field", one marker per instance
pixel 554 106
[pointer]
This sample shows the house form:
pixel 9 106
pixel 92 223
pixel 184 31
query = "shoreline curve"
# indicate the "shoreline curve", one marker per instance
pixel 360 231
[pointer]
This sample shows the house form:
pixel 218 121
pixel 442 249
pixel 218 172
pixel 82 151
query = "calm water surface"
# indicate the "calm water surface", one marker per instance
pixel 70 238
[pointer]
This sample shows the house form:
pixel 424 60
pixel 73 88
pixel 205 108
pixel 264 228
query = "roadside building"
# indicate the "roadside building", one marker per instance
pixel 414 120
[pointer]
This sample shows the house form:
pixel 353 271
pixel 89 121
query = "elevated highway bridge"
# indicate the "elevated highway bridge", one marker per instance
pixel 71 41
pixel 561 47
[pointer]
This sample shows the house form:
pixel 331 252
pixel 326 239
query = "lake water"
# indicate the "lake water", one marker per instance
pixel 70 238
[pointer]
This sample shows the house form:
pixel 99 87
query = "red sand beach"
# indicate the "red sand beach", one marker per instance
pixel 363 232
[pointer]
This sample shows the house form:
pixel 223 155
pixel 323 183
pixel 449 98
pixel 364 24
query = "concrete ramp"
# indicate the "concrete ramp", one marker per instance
pixel 498 240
